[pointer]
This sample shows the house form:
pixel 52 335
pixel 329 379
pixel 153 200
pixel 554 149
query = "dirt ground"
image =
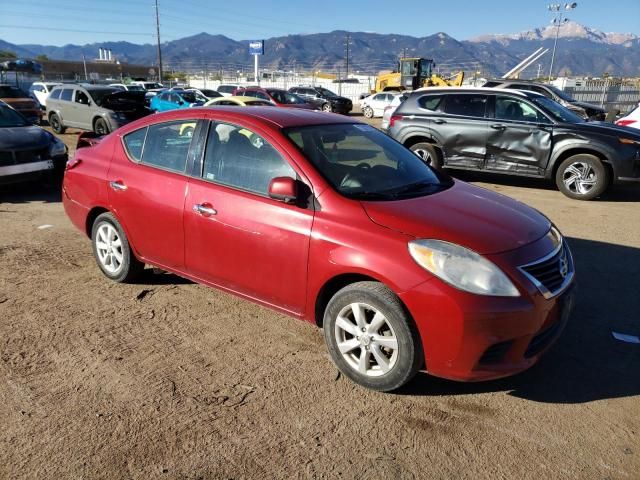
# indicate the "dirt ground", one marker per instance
pixel 168 379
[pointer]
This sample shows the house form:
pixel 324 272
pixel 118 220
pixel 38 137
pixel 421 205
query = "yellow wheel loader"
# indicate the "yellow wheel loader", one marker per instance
pixel 415 73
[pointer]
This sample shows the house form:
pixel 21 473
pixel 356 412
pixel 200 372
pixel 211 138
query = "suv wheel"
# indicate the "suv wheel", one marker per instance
pixel 428 153
pixel 371 338
pixel 368 112
pixel 326 107
pixel 112 251
pixel 100 127
pixel 56 124
pixel 582 177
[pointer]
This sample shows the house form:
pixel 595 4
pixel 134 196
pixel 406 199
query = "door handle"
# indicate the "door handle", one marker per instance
pixel 118 185
pixel 204 209
pixel 439 121
pixel 498 126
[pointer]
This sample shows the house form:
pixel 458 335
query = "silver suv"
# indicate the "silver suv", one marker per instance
pixel 91 107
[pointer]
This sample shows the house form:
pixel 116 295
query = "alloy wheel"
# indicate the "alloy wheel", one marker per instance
pixel 579 178
pixel 366 339
pixel 109 248
pixel 424 154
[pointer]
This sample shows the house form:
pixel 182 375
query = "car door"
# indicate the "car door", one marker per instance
pixel 148 184
pixel 236 236
pixel 67 108
pixel 520 137
pixel 462 128
pixel 83 114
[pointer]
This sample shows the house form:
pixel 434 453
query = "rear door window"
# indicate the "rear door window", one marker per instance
pixel 466 105
pixel 56 94
pixel 167 144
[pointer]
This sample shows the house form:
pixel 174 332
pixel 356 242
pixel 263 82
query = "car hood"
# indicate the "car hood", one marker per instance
pixel 588 106
pixel 483 221
pixel 19 138
pixel 120 99
pixel 606 128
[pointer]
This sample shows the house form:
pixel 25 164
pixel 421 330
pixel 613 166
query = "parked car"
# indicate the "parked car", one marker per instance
pixel 22 102
pixel 631 119
pixel 374 105
pixel 239 101
pixel 330 221
pixel 28 152
pixel 519 133
pixel 585 110
pixel 92 107
pixel 226 90
pixel 205 92
pixel 324 98
pixel 39 91
pixel 148 85
pixel 128 87
pixel 175 99
pixel 390 109
pixel 279 97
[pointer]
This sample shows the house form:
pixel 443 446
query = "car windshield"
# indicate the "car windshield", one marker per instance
pixel 564 96
pixel 555 110
pixel 10 118
pixel 99 95
pixel 326 92
pixel 287 98
pixel 363 163
pixel 7 91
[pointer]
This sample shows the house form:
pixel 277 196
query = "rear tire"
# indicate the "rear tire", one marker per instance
pixel 582 177
pixel 371 338
pixel 56 124
pixel 112 251
pixel 428 153
pixel 100 127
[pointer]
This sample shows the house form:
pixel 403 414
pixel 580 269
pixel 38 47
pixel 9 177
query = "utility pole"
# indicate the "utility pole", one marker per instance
pixel 346 45
pixel 159 51
pixel 84 62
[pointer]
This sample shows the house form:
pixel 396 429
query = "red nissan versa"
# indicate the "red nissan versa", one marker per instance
pixel 331 221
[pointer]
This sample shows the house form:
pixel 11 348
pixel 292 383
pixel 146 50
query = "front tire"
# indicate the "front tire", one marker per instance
pixel 368 112
pixel 582 177
pixel 327 107
pixel 428 154
pixel 371 338
pixel 112 251
pixel 56 124
pixel 100 127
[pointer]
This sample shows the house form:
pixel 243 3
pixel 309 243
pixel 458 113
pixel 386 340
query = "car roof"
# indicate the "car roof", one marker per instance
pixel 518 80
pixel 478 90
pixel 276 117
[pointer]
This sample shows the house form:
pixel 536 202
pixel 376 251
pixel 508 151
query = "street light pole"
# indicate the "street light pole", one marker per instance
pixel 558 20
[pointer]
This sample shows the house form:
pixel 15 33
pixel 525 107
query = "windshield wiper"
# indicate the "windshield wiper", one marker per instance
pixel 412 187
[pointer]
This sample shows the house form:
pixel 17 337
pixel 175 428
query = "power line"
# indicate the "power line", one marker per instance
pixel 25 27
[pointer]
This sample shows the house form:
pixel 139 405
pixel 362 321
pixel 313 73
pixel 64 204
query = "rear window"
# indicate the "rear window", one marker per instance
pixel 466 105
pixel 134 142
pixel 430 102
pixel 66 94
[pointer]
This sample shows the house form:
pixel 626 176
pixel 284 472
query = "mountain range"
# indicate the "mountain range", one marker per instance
pixel 581 51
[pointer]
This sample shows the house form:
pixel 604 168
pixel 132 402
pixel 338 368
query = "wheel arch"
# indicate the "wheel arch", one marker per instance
pixel 577 150
pixel 91 218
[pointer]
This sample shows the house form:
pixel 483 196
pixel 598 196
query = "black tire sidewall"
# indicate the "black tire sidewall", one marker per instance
pixel 131 267
pixel 436 161
pixel 55 123
pixel 327 107
pixel 601 172
pixel 101 121
pixel 410 356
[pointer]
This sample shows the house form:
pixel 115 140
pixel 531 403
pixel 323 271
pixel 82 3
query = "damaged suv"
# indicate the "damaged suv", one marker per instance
pixel 92 107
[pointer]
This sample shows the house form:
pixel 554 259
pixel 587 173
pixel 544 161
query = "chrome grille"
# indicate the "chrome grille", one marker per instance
pixel 553 273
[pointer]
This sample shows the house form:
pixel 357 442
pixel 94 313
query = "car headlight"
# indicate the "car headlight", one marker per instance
pixel 56 147
pixel 462 268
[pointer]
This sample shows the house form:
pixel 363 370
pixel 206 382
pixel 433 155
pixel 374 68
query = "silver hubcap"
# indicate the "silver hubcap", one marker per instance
pixel 109 248
pixel 425 155
pixel 579 178
pixel 366 340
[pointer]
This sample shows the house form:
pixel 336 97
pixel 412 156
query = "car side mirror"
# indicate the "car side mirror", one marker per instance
pixel 284 189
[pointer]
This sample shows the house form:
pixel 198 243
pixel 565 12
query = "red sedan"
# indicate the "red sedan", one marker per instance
pixel 329 220
pixel 277 96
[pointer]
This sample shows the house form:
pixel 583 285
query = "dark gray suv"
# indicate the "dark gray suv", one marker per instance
pixel 518 133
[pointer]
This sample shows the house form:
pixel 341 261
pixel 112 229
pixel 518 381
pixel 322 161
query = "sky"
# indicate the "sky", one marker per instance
pixel 60 22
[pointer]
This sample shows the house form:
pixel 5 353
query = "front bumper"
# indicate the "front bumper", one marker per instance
pixel 627 169
pixel 469 337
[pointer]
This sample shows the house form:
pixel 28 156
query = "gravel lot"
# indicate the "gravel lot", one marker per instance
pixel 168 379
